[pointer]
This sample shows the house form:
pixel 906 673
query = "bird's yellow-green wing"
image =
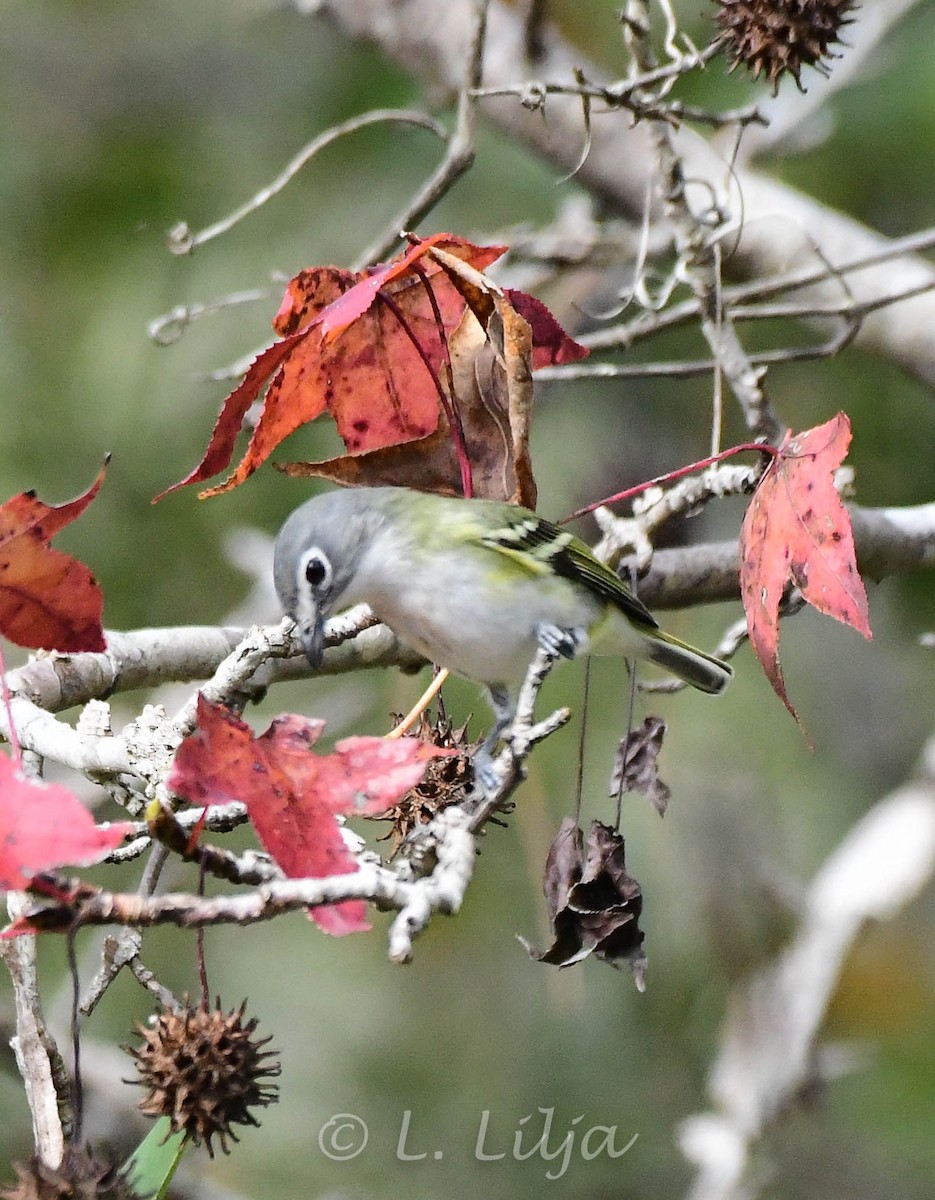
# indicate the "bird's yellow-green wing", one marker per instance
pixel 541 548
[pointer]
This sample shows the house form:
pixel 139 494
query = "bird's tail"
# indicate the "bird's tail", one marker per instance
pixel 701 670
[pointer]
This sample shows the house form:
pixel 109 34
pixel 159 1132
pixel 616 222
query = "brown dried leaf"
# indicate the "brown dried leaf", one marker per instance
pixel 594 903
pixel 635 766
pixel 442 785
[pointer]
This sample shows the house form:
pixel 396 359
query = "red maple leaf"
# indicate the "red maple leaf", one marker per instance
pixel 48 600
pixel 370 349
pixel 551 345
pixel 293 795
pixel 796 530
pixel 362 346
pixel 44 826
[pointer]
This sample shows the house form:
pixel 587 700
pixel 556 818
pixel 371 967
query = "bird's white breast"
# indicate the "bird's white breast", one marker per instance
pixel 468 614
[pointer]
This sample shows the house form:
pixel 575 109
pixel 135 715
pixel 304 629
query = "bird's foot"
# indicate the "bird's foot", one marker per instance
pixel 558 642
pixel 486 776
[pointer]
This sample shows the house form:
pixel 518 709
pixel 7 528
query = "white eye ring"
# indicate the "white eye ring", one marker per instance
pixel 315 569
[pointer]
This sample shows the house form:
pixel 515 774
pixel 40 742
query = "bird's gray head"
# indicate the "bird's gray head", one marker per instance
pixel 317 553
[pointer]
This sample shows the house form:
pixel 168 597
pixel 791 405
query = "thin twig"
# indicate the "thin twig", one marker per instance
pixel 459 156
pixel 696 254
pixel 852 313
pixel 615 95
pixel 524 733
pixel 647 324
pixel 168 328
pixel 183 241
pixel 416 899
pixel 420 705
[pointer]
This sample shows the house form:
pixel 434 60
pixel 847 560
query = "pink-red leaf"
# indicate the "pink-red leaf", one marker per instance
pixel 43 826
pixel 48 600
pixel 358 299
pixel 796 530
pixel 293 795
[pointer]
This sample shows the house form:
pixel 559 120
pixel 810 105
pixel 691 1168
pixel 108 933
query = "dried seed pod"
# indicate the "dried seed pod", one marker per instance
pixel 443 783
pixel 80 1176
pixel 778 37
pixel 205 1071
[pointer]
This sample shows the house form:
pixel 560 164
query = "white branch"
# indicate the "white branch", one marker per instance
pixel 229 659
pixel 415 898
pixel 37 1057
pixel 768 1050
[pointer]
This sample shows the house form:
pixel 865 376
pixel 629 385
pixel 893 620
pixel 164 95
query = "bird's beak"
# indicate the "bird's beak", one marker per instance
pixel 312 636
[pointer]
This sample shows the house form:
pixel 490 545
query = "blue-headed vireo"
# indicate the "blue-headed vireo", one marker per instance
pixel 474 585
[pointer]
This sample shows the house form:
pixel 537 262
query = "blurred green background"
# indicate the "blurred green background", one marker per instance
pixel 119 120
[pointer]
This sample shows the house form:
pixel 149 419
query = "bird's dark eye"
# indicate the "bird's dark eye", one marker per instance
pixel 317 569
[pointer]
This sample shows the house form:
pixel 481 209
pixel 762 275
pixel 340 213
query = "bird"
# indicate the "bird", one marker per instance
pixel 474 585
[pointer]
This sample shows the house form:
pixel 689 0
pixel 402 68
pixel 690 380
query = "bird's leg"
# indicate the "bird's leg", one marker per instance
pixel 504 709
pixel 558 642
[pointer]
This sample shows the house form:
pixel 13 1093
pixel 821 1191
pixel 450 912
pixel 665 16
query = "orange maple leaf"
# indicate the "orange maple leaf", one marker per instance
pixel 796 530
pixel 364 346
pixel 372 349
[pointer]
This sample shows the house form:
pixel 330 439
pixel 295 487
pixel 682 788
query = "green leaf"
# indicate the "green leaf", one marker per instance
pixel 150 1167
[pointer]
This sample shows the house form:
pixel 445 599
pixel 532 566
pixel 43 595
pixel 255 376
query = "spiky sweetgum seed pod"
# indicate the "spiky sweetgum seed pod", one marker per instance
pixel 205 1071
pixel 442 784
pixel 779 37
pixel 80 1176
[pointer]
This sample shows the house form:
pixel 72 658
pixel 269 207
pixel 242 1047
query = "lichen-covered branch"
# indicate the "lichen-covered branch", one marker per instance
pixel 447 842
pixel 415 899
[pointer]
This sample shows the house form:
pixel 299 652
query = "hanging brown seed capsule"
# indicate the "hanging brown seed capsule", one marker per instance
pixel 205 1071
pixel 778 37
